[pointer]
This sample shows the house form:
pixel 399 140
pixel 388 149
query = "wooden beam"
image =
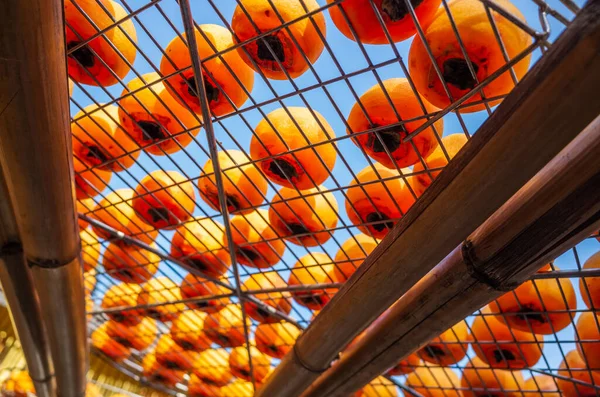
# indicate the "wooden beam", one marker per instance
pixel 558 208
pixel 556 100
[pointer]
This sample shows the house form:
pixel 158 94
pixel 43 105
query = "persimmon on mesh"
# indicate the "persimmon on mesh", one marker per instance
pixel 317 125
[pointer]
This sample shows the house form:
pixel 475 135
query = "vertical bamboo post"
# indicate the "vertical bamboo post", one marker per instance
pixel 23 302
pixel 36 157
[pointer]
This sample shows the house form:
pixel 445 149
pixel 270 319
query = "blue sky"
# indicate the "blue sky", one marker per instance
pixel 350 58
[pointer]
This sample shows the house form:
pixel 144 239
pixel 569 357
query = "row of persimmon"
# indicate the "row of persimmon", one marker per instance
pixel 20 384
pixel 281 39
pixel 503 350
pixel 151 115
pixel 535 308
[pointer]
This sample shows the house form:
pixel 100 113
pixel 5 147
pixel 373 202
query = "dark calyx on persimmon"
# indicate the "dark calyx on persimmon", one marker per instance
pixel 309 300
pixel 433 351
pixel 249 253
pixel 270 48
pixel 212 92
pixel 83 55
pixel 456 72
pixel 283 169
pixel 389 140
pixel 151 130
pixel 397 9
pixel 380 222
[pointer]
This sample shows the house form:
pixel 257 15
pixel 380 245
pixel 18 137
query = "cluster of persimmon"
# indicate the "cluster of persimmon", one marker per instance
pixel 20 384
pixel 507 336
pixel 209 320
pixel 159 113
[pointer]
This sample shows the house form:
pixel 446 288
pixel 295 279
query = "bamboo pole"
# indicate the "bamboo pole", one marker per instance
pixel 553 104
pixel 558 208
pixel 35 155
pixel 22 300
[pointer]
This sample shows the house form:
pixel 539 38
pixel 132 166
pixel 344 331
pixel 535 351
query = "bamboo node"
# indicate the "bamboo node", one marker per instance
pixel 51 263
pixel 475 267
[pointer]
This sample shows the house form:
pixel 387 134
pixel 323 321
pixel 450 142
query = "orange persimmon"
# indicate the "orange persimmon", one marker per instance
pixel 226 327
pixel 313 268
pixel 164 199
pixel 375 206
pixel 541 305
pixel 503 347
pixel 541 386
pixel 237 388
pixel 449 347
pixel 351 255
pixel 304 217
pixel 437 159
pixel 89 281
pixel 479 380
pixel 130 264
pixel 200 244
pixel 122 295
pixel 116 211
pixel 239 363
pixel 478 38
pixel 257 244
pixel 573 366
pixel 172 356
pixel 99 140
pixel 138 337
pixel 90 249
pixel 380 387
pixel 588 334
pixel 155 372
pixel 294 128
pixel 18 384
pixel 276 339
pixel 153 119
pixel 380 112
pixel 434 382
pixel 111 348
pixel 106 58
pixel 91 390
pixel 396 17
pixel 89 307
pixel 212 367
pixel 279 301
pixel 225 76
pixel 244 184
pixel 84 206
pixel 196 287
pixel 286 47
pixel 589 287
pixel 406 366
pixel 89 182
pixel 187 331
pixel 158 292
pixel 198 388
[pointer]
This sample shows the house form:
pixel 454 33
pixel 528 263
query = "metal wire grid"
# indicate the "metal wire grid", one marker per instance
pixel 158 21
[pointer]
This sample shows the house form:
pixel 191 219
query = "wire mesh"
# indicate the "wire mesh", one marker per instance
pixel 250 117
